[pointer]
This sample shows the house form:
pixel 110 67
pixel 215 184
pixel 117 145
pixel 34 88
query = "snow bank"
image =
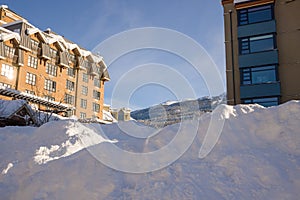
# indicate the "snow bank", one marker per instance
pixel 256 157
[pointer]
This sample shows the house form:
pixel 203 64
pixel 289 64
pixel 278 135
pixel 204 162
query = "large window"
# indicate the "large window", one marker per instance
pixel 83 103
pixel 267 102
pixel 70 85
pixel 9 51
pixel 97 82
pixel 32 62
pixel 7 71
pixel 257 44
pixel 255 14
pixel 96 94
pixel 84 90
pixel 51 69
pixel 53 53
pixel 85 78
pixel 34 45
pixel 50 85
pixel 69 99
pixel 71 72
pixel 82 115
pixel 257 75
pixel 30 78
pixel 96 107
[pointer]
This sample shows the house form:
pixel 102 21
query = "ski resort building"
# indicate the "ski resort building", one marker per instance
pixel 262 42
pixel 48 70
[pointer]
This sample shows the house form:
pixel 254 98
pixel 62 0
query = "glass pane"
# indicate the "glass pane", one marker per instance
pixel 263 76
pixel 262 44
pixel 260 14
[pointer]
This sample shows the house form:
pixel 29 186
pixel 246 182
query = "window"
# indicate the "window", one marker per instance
pixel 34 45
pixel 255 14
pixel 30 78
pixel 69 99
pixel 32 62
pixel 53 53
pixel 96 94
pixel 96 107
pixel 257 44
pixel 267 102
pixel 49 98
pixel 257 75
pixel 50 85
pixel 96 82
pixel 30 92
pixel 71 72
pixel 82 115
pixel 9 51
pixel 72 58
pixel 7 71
pixel 5 85
pixel 84 90
pixel 83 103
pixel 70 85
pixel 51 69
pixel 85 78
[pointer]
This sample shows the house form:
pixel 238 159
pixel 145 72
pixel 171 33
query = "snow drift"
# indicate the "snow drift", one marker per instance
pixel 256 157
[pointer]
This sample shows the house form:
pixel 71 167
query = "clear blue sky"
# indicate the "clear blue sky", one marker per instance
pixel 90 22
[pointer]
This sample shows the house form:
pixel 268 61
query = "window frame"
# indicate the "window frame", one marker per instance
pixel 96 107
pixel 51 69
pixel 83 90
pixel 248 73
pixel 259 100
pixel 96 94
pixel 83 103
pixel 30 78
pixel 7 71
pixel 32 62
pixel 70 85
pixel 244 13
pixel 50 85
pixel 245 43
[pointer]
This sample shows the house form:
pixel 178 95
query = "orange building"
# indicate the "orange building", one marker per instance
pixel 48 70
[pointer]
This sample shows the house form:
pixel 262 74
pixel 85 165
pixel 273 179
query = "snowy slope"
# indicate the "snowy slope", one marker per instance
pixel 257 157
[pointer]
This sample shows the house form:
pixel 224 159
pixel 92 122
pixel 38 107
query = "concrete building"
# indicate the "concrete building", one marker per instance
pixel 48 70
pixel 262 42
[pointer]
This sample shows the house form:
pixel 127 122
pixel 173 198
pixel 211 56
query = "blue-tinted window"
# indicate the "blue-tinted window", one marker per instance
pixel 267 102
pixel 256 44
pixel 257 75
pixel 255 14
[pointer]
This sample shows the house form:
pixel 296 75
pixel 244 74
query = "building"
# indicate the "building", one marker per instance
pixel 262 42
pixel 122 114
pixel 48 70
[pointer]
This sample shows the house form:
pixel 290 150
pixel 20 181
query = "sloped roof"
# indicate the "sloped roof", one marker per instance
pixel 10 107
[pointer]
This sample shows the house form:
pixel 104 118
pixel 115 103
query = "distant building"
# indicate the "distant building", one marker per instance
pixel 122 114
pixel 262 40
pixel 48 70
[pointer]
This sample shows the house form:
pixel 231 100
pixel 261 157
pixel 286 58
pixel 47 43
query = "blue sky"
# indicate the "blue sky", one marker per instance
pixel 90 22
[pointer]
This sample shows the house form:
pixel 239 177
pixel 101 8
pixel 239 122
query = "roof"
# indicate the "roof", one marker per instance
pixel 8 108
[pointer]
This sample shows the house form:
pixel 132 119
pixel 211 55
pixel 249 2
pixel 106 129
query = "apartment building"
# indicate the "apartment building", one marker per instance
pixel 48 70
pixel 262 42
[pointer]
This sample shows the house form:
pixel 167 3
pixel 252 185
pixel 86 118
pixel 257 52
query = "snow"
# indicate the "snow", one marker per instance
pixel 7 108
pixel 9 166
pixel 256 157
pixel 240 1
pixel 107 116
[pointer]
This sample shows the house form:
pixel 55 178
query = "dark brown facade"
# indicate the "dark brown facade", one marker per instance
pixel 262 42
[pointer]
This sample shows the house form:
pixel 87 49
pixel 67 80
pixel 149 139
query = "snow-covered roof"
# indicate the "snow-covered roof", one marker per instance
pixel 8 108
pixel 6 34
